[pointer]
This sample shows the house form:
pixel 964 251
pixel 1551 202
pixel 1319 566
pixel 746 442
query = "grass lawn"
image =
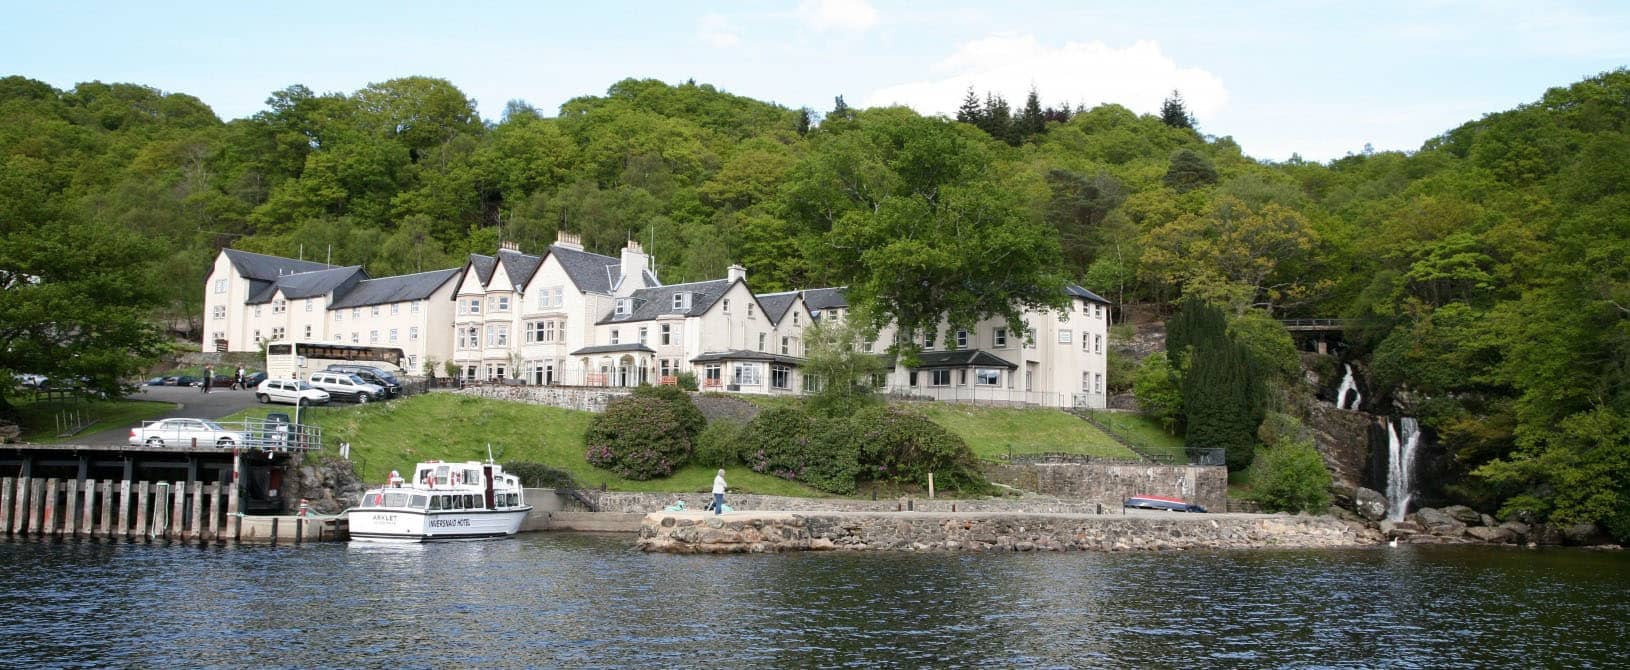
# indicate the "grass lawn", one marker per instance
pixel 1144 432
pixel 39 420
pixel 992 431
pixel 395 435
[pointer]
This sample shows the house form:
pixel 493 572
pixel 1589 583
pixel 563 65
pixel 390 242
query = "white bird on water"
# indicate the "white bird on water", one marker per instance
pixel 1393 543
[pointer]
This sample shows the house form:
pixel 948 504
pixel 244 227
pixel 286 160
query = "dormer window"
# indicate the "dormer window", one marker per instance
pixel 625 306
pixel 682 300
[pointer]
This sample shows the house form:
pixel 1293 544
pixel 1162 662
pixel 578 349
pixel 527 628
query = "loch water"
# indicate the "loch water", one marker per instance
pixel 585 601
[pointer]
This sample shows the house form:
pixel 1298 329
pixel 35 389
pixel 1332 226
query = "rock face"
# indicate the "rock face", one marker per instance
pixel 1464 514
pixel 1343 439
pixel 756 532
pixel 1438 522
pixel 1370 504
pixel 329 486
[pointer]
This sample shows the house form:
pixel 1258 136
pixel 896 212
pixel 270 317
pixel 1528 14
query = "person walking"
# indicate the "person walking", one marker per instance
pixel 718 493
pixel 237 381
pixel 209 378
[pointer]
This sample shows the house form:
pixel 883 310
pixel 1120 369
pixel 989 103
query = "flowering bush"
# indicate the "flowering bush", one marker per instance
pixel 791 444
pixel 899 445
pixel 641 436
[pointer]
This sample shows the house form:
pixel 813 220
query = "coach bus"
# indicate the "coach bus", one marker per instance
pixel 297 359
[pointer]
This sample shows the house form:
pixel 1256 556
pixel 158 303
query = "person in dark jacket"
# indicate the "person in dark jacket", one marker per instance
pixel 209 378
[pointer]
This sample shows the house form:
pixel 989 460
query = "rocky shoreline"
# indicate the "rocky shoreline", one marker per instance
pixel 1458 524
pixel 768 532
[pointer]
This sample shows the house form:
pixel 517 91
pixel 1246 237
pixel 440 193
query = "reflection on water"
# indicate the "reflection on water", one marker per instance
pixel 576 600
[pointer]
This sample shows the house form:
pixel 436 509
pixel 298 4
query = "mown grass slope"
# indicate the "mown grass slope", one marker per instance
pixel 994 432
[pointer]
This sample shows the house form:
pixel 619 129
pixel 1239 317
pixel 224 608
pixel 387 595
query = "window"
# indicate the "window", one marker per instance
pixel 220 286
pixel 1097 344
pixel 750 310
pixel 867 346
pixel 549 331
pixel 1098 382
pixel 666 331
pixel 373 337
pixel 643 331
pixel 911 379
pixel 761 338
pixel 786 343
pixel 472 306
pixel 550 297
pixel 219 312
pixel 503 303
pixel 373 311
pixel 257 310
pixel 710 373
pixel 999 338
pixel 962 339
pixel 795 317
pixel 339 315
pixel 1086 382
pixel 308 331
pixel 308 304
pixel 1064 336
pixel 393 336
pixel 1086 344
pixel 726 306
pixel 497 335
pixel 1097 311
pixel 1030 338
pixel 780 377
pixel 470 338
pixel 413 307
pixel 962 377
pixel 257 335
pixel 747 374
pixel 928 340
pixel 987 377
pixel 356 312
pixel 277 333
pixel 615 339
pixel 533 331
pixel 666 368
pixel 396 308
pixel 682 300
pixel 355 337
pixel 279 307
pixel 625 307
pixel 939 377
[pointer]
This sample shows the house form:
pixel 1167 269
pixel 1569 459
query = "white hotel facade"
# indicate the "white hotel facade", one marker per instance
pixel 574 318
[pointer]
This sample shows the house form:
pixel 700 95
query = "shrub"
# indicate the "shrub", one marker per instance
pixel 687 381
pixel 1157 392
pixel 691 418
pixel 790 444
pixel 1290 477
pixel 1123 369
pixel 639 437
pixel 540 476
pixel 899 445
pixel 719 444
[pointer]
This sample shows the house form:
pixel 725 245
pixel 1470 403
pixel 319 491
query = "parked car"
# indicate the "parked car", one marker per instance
pixel 253 379
pixel 1160 503
pixel 345 386
pixel 184 432
pixel 372 375
pixel 31 380
pixel 157 381
pixel 187 380
pixel 290 392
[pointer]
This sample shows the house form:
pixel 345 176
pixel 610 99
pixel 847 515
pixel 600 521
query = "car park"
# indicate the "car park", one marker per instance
pixel 290 392
pixel 184 432
pixel 346 386
pixel 372 375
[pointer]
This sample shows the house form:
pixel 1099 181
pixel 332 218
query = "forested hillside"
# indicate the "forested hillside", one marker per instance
pixel 1487 269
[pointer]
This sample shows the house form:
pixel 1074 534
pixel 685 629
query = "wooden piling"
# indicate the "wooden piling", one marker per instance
pixel 125 510
pixel 87 514
pixel 19 512
pixel 36 506
pixel 48 517
pixel 140 531
pixel 178 518
pixel 300 530
pixel 70 509
pixel 107 508
pixel 198 512
pixel 6 485
pixel 215 518
pixel 274 531
pixel 232 508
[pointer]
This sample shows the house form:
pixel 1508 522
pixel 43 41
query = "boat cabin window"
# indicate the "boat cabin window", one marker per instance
pixel 435 502
pixel 472 476
pixel 374 500
pixel 441 475
pixel 470 502
pixel 417 502
pixel 395 499
pixel 458 502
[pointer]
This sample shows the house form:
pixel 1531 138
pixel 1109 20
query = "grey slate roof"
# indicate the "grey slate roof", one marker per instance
pixel 612 348
pixel 386 290
pixel 650 303
pixel 777 304
pixel 962 358
pixel 1078 292
pixel 592 273
pixel 268 268
pixel 484 266
pixel 826 298
pixel 518 266
pixel 745 355
pixel 309 284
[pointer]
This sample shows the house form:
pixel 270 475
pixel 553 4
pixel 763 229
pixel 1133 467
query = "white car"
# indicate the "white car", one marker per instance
pixel 184 433
pixel 290 392
pixel 347 386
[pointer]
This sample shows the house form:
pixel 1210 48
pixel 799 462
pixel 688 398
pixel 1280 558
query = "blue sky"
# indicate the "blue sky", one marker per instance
pixel 1321 79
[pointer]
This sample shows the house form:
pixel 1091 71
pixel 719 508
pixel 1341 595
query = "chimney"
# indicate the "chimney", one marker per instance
pixel 509 246
pixel 634 264
pixel 736 272
pixel 569 240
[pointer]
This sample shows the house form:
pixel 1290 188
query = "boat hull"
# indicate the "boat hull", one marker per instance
pixel 399 525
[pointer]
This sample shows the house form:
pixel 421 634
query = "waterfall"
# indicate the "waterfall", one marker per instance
pixel 1400 465
pixel 1348 383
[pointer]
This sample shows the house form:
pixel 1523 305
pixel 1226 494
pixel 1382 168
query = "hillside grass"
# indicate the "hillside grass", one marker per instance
pixel 994 432
pixel 38 420
pixel 1143 431
pixel 395 435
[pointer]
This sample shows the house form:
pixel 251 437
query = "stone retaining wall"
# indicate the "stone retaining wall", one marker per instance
pixel 564 397
pixel 616 501
pixel 1203 485
pixel 755 532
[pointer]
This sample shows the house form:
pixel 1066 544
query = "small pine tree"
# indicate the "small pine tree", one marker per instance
pixel 1174 113
pixel 970 112
pixel 1031 121
pixel 998 118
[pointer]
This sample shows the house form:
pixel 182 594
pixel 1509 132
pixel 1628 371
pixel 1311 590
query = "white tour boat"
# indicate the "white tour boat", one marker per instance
pixel 442 501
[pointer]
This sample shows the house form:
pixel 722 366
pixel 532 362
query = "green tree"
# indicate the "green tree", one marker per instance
pixel 1175 113
pixel 834 358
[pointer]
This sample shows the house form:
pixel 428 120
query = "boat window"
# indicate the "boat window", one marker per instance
pixel 435 502
pixel 458 502
pixel 417 502
pixel 472 476
pixel 470 503
pixel 395 499
pixel 441 475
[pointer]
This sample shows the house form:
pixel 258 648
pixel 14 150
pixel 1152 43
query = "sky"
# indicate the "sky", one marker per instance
pixel 1316 79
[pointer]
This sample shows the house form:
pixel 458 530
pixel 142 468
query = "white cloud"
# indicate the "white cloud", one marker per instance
pixel 716 31
pixel 1138 76
pixel 841 15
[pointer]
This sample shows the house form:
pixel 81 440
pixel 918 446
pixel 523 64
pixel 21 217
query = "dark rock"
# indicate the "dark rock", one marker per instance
pixel 1584 534
pixel 1545 535
pixel 1343 440
pixel 1488 520
pixel 1517 528
pixel 1370 504
pixel 1490 535
pixel 1464 514
pixel 1438 522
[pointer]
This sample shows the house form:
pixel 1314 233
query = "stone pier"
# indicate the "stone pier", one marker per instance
pixel 755 532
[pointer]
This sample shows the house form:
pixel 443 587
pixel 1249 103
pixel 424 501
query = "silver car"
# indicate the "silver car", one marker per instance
pixel 183 433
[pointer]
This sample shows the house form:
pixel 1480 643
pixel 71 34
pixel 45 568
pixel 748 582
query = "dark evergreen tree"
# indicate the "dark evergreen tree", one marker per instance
pixel 970 112
pixel 1221 387
pixel 805 115
pixel 840 109
pixel 997 118
pixel 1189 171
pixel 1031 122
pixel 1174 113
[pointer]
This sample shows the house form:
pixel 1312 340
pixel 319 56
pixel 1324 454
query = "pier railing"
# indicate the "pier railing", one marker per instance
pixel 254 434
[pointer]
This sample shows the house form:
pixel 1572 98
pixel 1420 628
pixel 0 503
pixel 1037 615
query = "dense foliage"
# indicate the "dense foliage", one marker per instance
pixel 641 436
pixel 838 453
pixel 1486 270
pixel 1290 476
pixel 719 444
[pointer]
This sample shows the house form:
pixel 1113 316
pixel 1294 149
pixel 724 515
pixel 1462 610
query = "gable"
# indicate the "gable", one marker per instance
pixel 471 284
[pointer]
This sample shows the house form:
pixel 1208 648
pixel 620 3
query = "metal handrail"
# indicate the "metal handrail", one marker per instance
pixel 257 434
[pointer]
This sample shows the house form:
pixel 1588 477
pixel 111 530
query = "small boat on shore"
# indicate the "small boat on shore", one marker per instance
pixel 442 502
pixel 1161 503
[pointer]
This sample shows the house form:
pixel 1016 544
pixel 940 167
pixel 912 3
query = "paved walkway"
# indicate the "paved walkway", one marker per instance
pixel 193 403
